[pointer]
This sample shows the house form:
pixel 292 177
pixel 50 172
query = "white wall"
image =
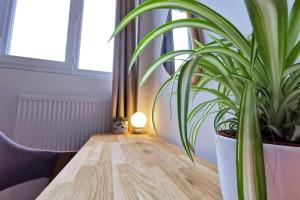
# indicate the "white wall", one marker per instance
pixel 14 82
pixel 236 12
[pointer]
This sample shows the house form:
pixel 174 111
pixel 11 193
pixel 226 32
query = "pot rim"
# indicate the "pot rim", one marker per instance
pixel 224 134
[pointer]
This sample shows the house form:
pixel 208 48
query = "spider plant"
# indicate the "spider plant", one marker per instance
pixel 257 75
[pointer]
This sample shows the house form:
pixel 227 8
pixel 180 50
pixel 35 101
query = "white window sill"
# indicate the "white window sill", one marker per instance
pixel 56 69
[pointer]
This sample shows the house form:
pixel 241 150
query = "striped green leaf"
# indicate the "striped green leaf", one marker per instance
pixel 164 58
pixel 198 23
pixel 250 160
pixel 294 55
pixel 294 26
pixel 158 94
pixel 183 97
pixel 195 8
pixel 269 21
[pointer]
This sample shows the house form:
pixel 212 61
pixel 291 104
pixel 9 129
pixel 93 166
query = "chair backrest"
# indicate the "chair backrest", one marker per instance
pixel 19 164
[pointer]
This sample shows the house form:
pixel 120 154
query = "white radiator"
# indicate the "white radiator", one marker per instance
pixel 59 123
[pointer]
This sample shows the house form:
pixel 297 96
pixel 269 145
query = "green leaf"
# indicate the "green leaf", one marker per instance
pixel 224 124
pixel 254 51
pixel 203 81
pixel 291 83
pixel 195 8
pixel 226 51
pixel 269 21
pixel 294 26
pixel 196 130
pixel 218 94
pixel 199 44
pixel 244 68
pixel 219 117
pixel 294 55
pixel 198 23
pixel 160 91
pixel 175 77
pixel 250 159
pixel 229 62
pixel 292 69
pixel 294 95
pixel 164 58
pixel 214 66
pixel 199 108
pixel 183 96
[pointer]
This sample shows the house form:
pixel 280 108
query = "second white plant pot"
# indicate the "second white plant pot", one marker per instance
pixel 282 167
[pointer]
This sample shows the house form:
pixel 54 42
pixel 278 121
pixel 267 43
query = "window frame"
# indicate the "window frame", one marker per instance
pixel 72 53
pixel 188 31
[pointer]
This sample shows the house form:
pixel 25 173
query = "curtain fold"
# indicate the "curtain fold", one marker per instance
pixel 124 85
pixel 168 46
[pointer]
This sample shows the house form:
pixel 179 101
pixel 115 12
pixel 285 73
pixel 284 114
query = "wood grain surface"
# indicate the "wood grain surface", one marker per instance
pixel 133 167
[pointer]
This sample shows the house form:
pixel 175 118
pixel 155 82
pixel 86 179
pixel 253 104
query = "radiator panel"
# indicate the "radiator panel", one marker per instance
pixel 61 123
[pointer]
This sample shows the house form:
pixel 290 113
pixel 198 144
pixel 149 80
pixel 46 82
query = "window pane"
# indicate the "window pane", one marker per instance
pixel 40 29
pixel 181 38
pixel 97 26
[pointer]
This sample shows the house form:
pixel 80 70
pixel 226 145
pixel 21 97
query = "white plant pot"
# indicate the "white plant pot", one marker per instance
pixel 120 127
pixel 282 167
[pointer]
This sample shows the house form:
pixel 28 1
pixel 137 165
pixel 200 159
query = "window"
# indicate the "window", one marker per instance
pixel 68 36
pixel 95 51
pixel 181 38
pixel 32 29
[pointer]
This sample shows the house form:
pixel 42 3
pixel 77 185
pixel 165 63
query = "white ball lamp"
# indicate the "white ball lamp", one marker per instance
pixel 138 121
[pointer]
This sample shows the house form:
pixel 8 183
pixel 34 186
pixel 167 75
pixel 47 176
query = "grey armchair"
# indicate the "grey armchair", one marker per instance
pixel 19 164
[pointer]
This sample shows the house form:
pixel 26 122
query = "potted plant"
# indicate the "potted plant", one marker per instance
pixel 120 125
pixel 256 98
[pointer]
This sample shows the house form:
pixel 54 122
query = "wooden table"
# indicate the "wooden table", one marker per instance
pixel 133 167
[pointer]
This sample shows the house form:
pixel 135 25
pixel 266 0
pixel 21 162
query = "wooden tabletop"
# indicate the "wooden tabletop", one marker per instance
pixel 133 167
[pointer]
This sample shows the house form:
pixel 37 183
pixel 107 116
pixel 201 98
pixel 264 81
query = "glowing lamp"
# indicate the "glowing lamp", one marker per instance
pixel 138 121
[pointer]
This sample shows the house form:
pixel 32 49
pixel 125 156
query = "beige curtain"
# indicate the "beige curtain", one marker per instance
pixel 125 85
